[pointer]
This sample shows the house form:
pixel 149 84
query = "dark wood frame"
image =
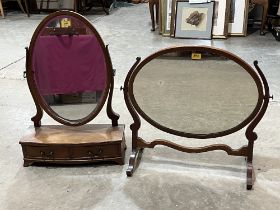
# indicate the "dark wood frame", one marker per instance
pixel 71 149
pixel 138 144
pixel 41 104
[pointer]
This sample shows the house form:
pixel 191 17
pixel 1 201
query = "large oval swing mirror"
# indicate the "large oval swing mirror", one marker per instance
pixel 69 68
pixel 197 92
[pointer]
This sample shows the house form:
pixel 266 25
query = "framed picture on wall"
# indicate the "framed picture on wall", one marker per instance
pixel 165 6
pixel 238 17
pixel 194 20
pixel 221 18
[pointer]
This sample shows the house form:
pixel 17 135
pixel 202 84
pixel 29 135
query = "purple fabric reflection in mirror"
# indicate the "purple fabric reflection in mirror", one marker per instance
pixel 65 64
pixel 69 64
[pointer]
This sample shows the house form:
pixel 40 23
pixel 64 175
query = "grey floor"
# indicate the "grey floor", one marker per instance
pixel 165 179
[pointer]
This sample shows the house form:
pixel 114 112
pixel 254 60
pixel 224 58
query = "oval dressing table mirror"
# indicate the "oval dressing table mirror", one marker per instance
pixel 70 77
pixel 195 92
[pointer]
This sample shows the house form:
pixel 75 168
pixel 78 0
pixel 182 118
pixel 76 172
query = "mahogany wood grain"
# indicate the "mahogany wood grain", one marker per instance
pixel 138 144
pixel 72 145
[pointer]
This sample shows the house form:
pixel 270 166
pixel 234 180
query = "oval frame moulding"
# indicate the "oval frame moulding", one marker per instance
pixel 203 49
pixel 30 73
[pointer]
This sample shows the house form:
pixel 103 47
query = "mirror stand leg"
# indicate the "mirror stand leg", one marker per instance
pixel 250 168
pixel 151 7
pixel 110 112
pixel 134 161
pixel 27 163
pixel 250 175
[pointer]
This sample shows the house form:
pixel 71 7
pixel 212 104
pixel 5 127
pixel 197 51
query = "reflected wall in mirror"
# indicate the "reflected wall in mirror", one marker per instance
pixel 196 92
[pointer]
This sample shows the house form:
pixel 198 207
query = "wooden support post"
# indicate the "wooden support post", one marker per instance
pixel 1 9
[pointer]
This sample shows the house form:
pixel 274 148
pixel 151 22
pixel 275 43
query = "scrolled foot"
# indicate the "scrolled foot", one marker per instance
pixel 134 161
pixel 249 187
pixel 250 176
pixel 129 171
pixel 27 163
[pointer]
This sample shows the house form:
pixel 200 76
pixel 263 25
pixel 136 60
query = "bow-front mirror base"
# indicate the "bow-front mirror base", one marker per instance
pixel 58 144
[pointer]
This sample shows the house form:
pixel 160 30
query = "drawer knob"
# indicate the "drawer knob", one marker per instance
pixel 46 155
pixel 95 154
pixel 50 154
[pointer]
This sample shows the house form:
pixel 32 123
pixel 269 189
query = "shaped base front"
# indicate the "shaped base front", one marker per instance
pixel 74 145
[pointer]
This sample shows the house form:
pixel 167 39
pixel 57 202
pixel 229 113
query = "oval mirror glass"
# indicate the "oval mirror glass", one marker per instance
pixel 202 96
pixel 69 66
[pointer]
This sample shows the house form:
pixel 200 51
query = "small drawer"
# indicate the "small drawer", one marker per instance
pixel 44 152
pixel 96 152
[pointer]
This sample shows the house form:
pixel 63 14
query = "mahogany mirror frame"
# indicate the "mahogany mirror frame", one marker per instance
pixel 38 99
pixel 138 144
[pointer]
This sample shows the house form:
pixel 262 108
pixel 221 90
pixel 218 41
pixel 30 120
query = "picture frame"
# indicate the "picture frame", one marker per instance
pixel 160 17
pixel 173 16
pixel 193 20
pixel 166 14
pixel 238 18
pixel 221 19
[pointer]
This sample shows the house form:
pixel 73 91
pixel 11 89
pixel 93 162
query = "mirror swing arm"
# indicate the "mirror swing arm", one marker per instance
pixel 138 144
pixel 250 134
pixel 137 151
pixel 110 112
pixel 36 119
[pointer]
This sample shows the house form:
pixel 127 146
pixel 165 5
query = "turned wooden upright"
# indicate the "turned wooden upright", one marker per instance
pixel 152 5
pixel 1 9
pixel 264 4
